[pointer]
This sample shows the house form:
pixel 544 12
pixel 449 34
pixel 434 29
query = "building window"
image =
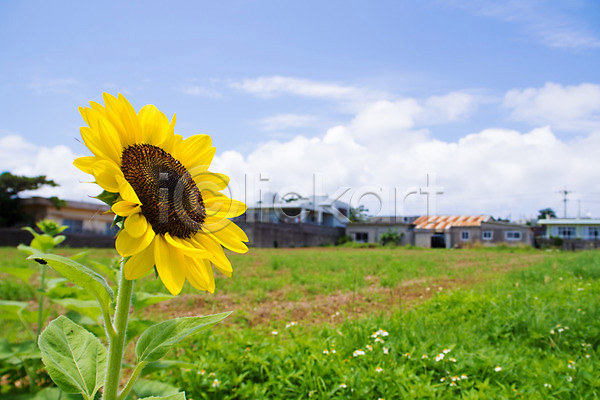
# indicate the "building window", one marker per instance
pixel 487 235
pixel 74 225
pixel 464 235
pixel 566 232
pixel 594 232
pixel 512 235
pixel 361 237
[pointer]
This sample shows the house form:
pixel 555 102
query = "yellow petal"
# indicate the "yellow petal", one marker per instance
pixel 186 246
pixel 155 125
pixel 201 161
pixel 130 119
pixel 92 142
pixel 106 173
pixel 126 208
pixel 139 264
pixel 218 256
pixel 128 245
pixel 222 206
pixel 109 137
pixel 199 273
pixel 126 190
pixel 209 180
pixel 136 225
pixel 231 237
pixel 85 164
pixel 194 148
pixel 170 265
pixel 113 117
pixel 119 116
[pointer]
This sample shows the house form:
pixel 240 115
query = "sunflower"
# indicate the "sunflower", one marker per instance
pixel 174 216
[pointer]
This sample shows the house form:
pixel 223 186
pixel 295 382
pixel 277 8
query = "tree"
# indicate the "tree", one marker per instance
pixel 11 211
pixel 358 214
pixel 546 213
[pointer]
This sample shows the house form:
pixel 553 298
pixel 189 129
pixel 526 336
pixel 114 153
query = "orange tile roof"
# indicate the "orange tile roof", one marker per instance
pixel 439 222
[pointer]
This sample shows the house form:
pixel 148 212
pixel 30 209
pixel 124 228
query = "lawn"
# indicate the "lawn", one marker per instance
pixel 386 323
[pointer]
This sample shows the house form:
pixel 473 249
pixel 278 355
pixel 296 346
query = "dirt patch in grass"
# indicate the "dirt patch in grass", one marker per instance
pixel 277 307
pixel 313 309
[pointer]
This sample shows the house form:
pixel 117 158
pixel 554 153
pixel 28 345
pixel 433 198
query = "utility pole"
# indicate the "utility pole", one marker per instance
pixel 565 193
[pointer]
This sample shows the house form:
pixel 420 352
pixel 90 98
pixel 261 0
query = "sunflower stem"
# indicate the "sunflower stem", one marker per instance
pixel 116 345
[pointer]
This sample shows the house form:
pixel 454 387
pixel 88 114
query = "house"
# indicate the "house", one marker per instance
pixel 317 210
pixel 80 217
pixel 372 230
pixel 573 233
pixel 294 222
pixel 458 231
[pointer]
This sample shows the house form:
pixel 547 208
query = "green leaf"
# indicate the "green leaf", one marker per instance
pixel 106 270
pixel 136 327
pixel 141 299
pixel 157 340
pixel 144 387
pixel 22 273
pixel 54 394
pixel 29 249
pixel 108 197
pixel 44 243
pixel 176 396
pixel 59 239
pixel 74 358
pixel 30 230
pixel 80 275
pixel 85 307
pixel 12 309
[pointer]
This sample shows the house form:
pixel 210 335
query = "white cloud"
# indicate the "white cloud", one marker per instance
pixel 23 158
pixel 195 90
pixel 349 97
pixel 565 107
pixel 551 25
pixel 494 171
pixel 450 107
pixel 286 121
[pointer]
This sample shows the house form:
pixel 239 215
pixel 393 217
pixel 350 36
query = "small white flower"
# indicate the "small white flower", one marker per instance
pixel 424 356
pixel 201 372
pixel 325 351
pixel 439 357
pixel 274 333
pixel 369 347
pixel 343 385
pixel 378 369
pixel 386 350
pixel 498 368
pixel 463 376
pixel 547 385
pixel 359 352
pixel 452 383
pixel 379 340
pixel 290 324
pixel 587 356
pixel 569 378
pixel 216 383
pixel 446 351
pixel 452 359
pixel 571 364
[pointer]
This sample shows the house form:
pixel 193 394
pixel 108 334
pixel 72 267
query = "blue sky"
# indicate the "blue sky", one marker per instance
pixel 500 101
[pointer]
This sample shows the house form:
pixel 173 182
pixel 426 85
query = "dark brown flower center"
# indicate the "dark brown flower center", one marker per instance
pixel 171 201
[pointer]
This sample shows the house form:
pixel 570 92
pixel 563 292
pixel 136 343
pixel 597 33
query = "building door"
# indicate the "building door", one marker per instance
pixel 438 241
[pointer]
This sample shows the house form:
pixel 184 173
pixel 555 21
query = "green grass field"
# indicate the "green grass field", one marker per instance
pixel 386 323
